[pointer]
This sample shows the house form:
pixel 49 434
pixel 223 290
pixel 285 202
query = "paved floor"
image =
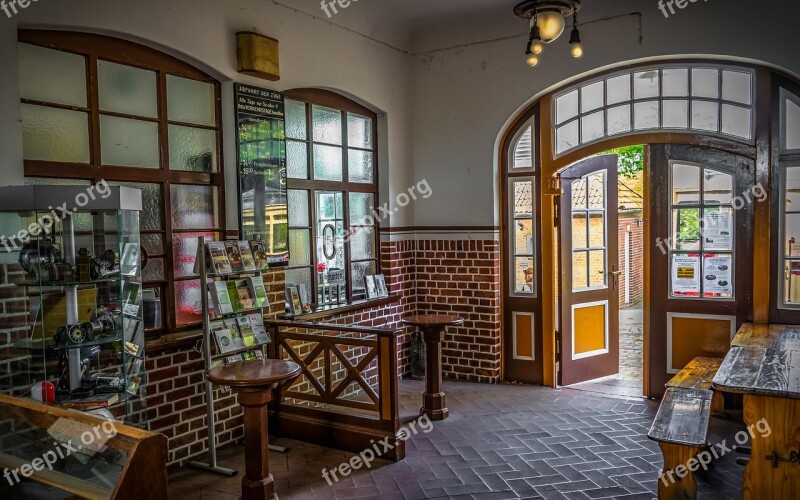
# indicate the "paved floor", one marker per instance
pixel 628 383
pixel 501 441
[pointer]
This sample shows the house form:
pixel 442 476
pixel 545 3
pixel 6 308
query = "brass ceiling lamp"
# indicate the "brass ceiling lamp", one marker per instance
pixel 547 20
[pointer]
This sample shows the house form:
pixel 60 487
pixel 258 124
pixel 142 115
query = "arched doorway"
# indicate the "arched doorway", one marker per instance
pixel 712 118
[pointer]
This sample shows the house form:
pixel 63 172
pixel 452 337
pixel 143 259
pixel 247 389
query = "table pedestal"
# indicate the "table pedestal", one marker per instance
pixel 774 425
pixel 257 483
pixel 433 401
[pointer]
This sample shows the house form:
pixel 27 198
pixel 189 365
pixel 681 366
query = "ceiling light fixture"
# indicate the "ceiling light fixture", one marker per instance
pixel 547 20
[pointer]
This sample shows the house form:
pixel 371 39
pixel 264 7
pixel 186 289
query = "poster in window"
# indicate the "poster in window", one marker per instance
pixel 717 275
pixel 686 275
pixel 261 156
pixel 718 229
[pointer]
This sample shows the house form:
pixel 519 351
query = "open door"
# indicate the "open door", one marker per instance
pixel 589 260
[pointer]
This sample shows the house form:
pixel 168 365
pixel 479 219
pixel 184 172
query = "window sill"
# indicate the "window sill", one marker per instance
pixel 172 341
pixel 323 312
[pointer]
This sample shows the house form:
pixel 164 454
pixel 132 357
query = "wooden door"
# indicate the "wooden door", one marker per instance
pixel 589 261
pixel 701 255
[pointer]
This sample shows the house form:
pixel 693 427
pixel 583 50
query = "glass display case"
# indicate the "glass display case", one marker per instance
pixel 71 262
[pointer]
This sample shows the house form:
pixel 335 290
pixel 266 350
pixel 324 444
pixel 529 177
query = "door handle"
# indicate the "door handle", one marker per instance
pixel 615 275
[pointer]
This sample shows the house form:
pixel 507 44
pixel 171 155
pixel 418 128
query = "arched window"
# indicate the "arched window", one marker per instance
pixel 98 108
pixel 689 98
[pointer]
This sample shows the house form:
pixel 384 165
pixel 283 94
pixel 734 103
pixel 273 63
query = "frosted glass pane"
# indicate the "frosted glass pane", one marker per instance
pixel 618 89
pixel 296 160
pixel 737 87
pixel 327 125
pixel 646 115
pixel 360 272
pixel 299 247
pixel 188 308
pixel 580 262
pixel 128 90
pixel 184 252
pixel 298 208
pixel 705 116
pixel 645 84
pixel 523 152
pixel 361 206
pixel 299 277
pixel 566 107
pixel 580 230
pixel 55 181
pixel 705 83
pixel 151 215
pixel 153 243
pixel 327 163
pixel 579 193
pixel 593 126
pixel 792 125
pixel 359 131
pixel 51 134
pixel 193 207
pixel 736 121
pixel 567 137
pixel 192 149
pixel 619 119
pixel 676 82
pixel 685 184
pixel 362 243
pixel 676 114
pixel 592 97
pixel 360 165
pixel 296 125
pixel 51 75
pixel 717 188
pixel 190 101
pixel 129 143
pixel 154 270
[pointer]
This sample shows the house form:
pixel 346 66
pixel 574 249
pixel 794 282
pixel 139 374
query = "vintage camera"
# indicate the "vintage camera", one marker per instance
pixel 36 253
pixel 108 383
pixel 104 266
pixel 88 331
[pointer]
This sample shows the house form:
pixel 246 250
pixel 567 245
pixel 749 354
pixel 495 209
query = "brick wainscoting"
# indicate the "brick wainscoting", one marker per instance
pixel 460 277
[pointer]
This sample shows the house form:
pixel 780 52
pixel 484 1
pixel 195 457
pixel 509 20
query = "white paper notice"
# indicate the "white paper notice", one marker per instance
pixel 718 230
pixel 717 275
pixel 686 275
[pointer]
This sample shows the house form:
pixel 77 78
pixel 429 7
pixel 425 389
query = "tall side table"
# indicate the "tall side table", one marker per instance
pixel 432 327
pixel 253 382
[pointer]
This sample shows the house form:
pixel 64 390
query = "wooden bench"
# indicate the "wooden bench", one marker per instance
pixel 699 374
pixel 681 430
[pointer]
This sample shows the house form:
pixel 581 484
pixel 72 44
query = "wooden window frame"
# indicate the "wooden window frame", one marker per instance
pixel 318 97
pixel 93 47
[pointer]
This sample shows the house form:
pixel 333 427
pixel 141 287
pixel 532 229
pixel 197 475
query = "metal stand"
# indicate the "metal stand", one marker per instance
pixel 71 294
pixel 211 466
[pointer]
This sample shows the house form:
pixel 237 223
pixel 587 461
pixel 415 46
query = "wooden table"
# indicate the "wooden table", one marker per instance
pixel 253 382
pixel 433 326
pixel 764 366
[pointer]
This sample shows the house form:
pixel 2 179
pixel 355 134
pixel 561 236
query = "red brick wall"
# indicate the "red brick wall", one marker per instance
pixel 636 258
pixel 463 277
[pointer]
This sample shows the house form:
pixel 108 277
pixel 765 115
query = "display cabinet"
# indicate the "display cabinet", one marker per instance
pixel 55 453
pixel 71 261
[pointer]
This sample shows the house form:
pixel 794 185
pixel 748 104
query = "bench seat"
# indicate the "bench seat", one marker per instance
pixel 699 374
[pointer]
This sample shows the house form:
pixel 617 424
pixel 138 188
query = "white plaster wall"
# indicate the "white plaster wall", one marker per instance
pixel 463 97
pixel 313 54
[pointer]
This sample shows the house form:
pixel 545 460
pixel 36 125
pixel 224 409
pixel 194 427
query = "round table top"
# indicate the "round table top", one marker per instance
pixel 433 320
pixel 254 373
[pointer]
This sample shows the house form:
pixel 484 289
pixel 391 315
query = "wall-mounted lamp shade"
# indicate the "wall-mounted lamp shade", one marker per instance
pixel 257 55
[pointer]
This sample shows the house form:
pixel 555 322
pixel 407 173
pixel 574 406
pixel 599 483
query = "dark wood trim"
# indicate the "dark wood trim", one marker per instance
pixel 762 218
pixel 451 229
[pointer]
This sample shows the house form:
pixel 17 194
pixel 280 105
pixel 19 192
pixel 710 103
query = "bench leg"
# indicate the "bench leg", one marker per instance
pixel 717 403
pixel 677 484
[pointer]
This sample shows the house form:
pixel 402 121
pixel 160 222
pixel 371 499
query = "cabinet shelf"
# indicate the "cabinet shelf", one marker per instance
pixel 50 344
pixel 56 284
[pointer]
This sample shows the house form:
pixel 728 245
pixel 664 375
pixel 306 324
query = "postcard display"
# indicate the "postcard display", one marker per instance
pixel 233 319
pixel 81 343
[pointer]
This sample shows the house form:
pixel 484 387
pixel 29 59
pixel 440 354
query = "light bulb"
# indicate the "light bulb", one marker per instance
pixel 551 25
pixel 577 50
pixel 533 60
pixel 537 48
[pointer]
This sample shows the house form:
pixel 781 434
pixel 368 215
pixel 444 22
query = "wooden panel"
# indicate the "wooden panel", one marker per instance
pixel 523 336
pixel 698 374
pixel 683 417
pixel 697 336
pixel 589 329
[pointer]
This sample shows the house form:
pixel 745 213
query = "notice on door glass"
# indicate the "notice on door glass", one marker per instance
pixel 686 275
pixel 717 276
pixel 718 230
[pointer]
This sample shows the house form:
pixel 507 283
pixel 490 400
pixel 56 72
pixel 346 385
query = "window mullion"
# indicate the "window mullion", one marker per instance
pixel 93 101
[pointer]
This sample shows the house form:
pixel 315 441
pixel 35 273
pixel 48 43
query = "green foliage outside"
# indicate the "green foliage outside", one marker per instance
pixel 631 161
